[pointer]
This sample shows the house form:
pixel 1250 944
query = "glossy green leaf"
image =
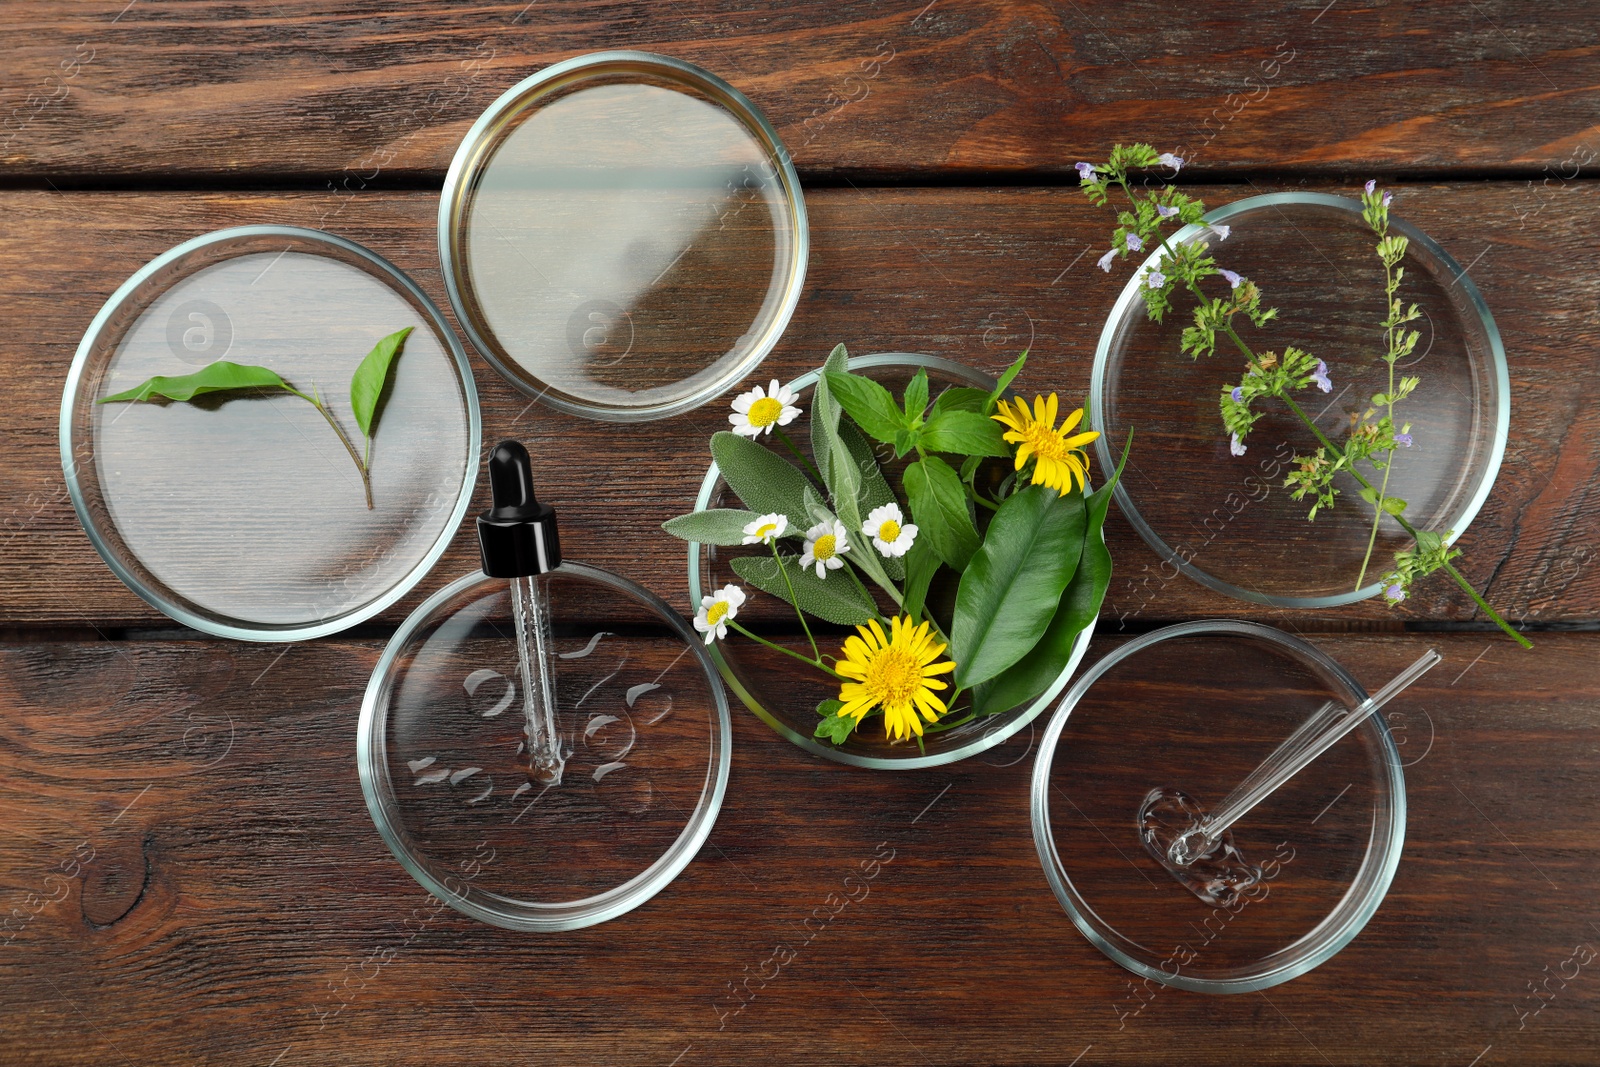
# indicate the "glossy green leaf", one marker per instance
pixel 366 385
pixel 960 398
pixel 763 480
pixel 834 599
pixel 714 526
pixel 916 396
pixel 939 508
pixel 965 433
pixel 1013 584
pixel 1007 378
pixel 921 563
pixel 217 377
pixel 867 402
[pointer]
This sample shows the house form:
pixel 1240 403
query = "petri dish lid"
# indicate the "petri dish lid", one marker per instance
pixel 244 515
pixel 645 728
pixel 623 236
pixel 1196 707
pixel 1228 521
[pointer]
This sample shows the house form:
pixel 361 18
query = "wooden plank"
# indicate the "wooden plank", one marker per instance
pixel 970 274
pixel 329 88
pixel 196 878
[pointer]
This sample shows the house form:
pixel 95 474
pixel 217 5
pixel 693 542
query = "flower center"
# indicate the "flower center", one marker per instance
pixel 765 412
pixel 823 548
pixel 767 530
pixel 893 677
pixel 889 531
pixel 716 611
pixel 1045 442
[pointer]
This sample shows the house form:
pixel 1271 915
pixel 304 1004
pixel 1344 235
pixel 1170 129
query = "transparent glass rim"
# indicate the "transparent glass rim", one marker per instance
pixel 989 739
pixel 166 605
pixel 1099 382
pixel 376 783
pixel 1357 906
pixel 475 148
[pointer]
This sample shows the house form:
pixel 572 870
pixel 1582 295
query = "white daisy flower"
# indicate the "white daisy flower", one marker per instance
pixel 766 529
pixel 825 543
pixel 758 411
pixel 716 610
pixel 890 535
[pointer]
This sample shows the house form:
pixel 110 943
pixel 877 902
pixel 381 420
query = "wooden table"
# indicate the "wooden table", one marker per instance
pixel 192 872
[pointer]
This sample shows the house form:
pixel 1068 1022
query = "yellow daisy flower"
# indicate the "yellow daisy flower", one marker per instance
pixel 896 672
pixel 1059 460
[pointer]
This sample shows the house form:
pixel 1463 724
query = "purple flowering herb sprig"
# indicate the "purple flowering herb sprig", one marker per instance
pixel 1373 437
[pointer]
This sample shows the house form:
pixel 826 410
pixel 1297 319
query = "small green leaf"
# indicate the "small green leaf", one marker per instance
pixel 905 441
pixel 916 396
pixel 366 385
pixel 1006 379
pixel 217 377
pixel 763 480
pixel 867 402
pixel 939 508
pixel 835 727
pixel 965 433
pixel 1369 494
pixel 960 398
pixel 714 526
pixel 1394 505
pixel 834 599
pixel 921 564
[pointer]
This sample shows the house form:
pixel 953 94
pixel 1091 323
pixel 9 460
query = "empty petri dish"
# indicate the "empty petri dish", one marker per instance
pixel 1227 521
pixel 641 720
pixel 623 236
pixel 246 514
pixel 1192 710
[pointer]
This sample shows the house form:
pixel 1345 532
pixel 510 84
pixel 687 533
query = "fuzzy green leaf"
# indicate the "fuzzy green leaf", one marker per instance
pixel 366 385
pixel 714 526
pixel 834 599
pixel 965 433
pixel 939 508
pixel 764 481
pixel 217 377
pixel 867 402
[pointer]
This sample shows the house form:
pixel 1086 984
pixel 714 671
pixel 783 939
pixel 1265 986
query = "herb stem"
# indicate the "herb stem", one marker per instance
pixel 817 663
pixel 366 480
pixel 794 601
pixel 811 468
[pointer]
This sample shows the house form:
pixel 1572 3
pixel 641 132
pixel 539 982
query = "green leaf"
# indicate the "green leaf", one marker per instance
pixel 921 564
pixel 874 491
pixel 905 441
pixel 1013 584
pixel 1369 494
pixel 835 727
pixel 834 599
pixel 1394 505
pixel 763 480
pixel 965 433
pixel 1006 379
pixel 916 396
pixel 867 402
pixel 714 526
pixel 366 385
pixel 939 508
pixel 217 377
pixel 960 398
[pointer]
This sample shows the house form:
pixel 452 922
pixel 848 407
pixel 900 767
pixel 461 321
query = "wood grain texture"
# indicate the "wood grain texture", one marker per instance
pixel 197 880
pixel 351 93
pixel 973 274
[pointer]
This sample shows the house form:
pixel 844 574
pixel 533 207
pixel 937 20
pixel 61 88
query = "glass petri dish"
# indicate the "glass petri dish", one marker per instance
pixel 784 696
pixel 244 516
pixel 1227 521
pixel 442 764
pixel 1196 707
pixel 623 236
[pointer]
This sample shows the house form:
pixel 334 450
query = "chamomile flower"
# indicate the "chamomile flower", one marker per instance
pixel 759 410
pixel 891 534
pixel 1058 456
pixel 825 543
pixel 766 529
pixel 896 672
pixel 716 610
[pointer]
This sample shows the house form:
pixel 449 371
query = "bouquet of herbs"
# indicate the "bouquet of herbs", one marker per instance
pixel 1376 433
pixel 900 495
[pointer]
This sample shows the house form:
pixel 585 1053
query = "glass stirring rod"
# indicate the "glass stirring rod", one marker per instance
pixel 1289 759
pixel 518 540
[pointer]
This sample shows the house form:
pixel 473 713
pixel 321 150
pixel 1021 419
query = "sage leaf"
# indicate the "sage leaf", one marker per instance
pixel 714 526
pixel 965 433
pixel 1013 584
pixel 939 507
pixel 217 377
pixel 836 599
pixel 367 384
pixel 867 402
pixel 763 480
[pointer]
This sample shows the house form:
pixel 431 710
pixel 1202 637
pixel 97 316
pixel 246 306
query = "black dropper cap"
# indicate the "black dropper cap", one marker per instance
pixel 518 535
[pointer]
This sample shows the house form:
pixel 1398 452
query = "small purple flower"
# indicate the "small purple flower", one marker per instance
pixel 1386 198
pixel 1238 395
pixel 1321 377
pixel 1105 260
pixel 1222 232
pixel 1394 594
pixel 1403 439
pixel 1166 212
pixel 1134 244
pixel 1372 183
pixel 1086 172
pixel 1167 159
pixel 1236 446
pixel 1155 279
pixel 1233 279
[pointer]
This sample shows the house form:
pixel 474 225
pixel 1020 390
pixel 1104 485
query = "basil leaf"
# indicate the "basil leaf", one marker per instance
pixel 714 526
pixel 366 385
pixel 217 377
pixel 867 402
pixel 764 481
pixel 960 398
pixel 965 433
pixel 939 507
pixel 1013 584
pixel 836 599
pixel 916 397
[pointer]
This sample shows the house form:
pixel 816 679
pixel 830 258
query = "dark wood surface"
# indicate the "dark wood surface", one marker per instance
pixel 186 861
